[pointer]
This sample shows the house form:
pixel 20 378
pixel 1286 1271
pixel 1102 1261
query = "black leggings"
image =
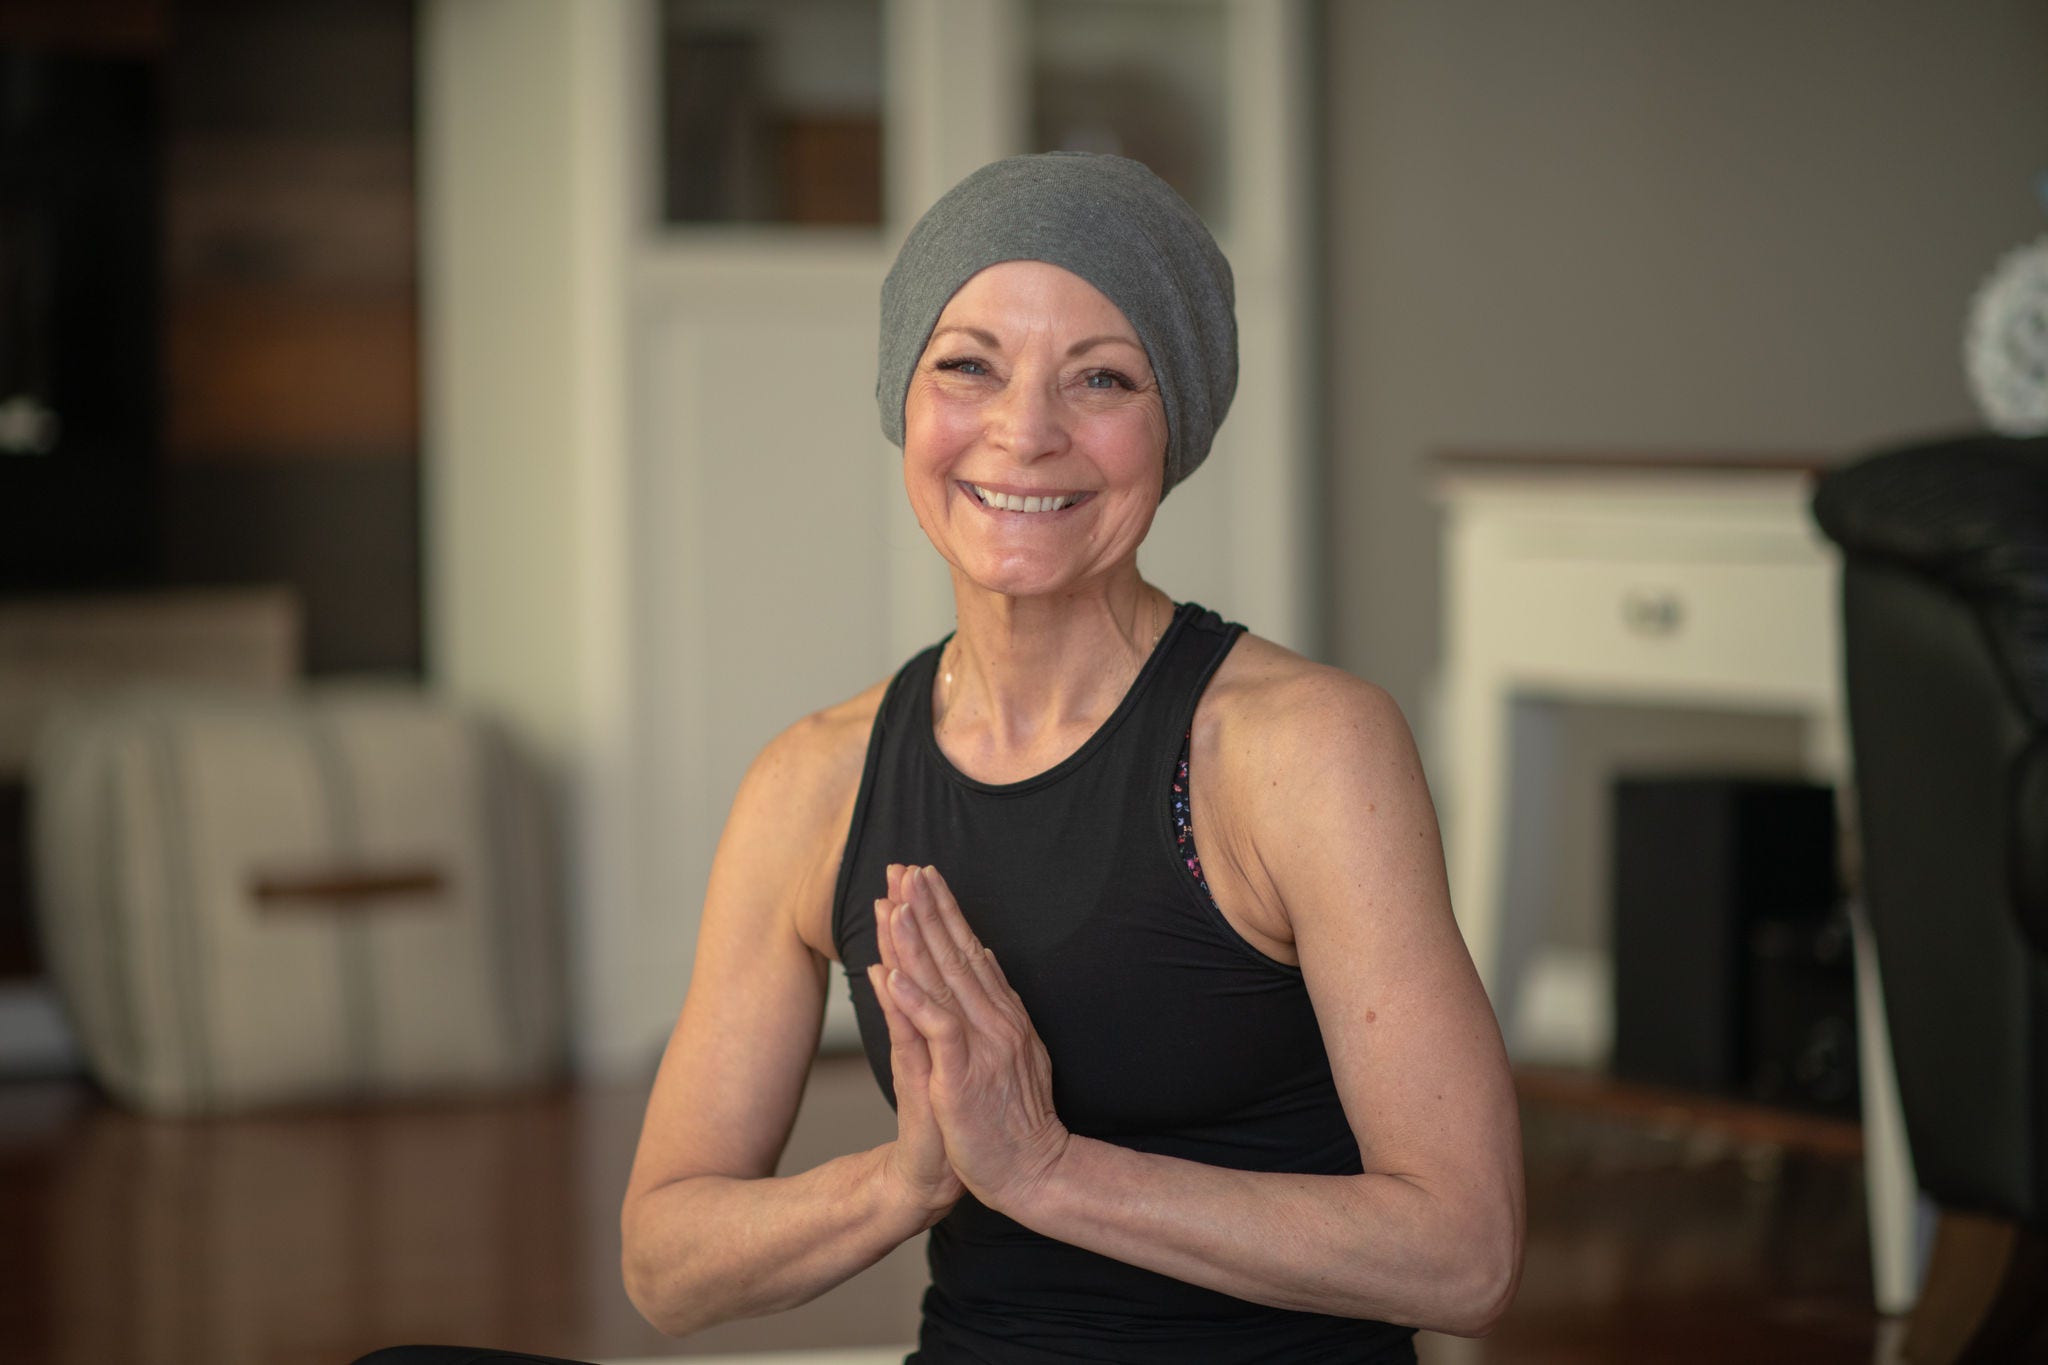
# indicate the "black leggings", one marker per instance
pixel 456 1355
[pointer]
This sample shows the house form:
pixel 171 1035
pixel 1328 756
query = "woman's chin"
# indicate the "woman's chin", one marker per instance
pixel 1012 578
pixel 1013 585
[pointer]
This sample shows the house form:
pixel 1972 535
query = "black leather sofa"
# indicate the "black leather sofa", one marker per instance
pixel 1945 647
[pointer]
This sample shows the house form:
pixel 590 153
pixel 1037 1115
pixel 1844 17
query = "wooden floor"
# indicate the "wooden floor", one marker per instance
pixel 1656 1234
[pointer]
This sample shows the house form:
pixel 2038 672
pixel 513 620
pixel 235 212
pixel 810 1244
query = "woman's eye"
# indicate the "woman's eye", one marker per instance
pixel 962 366
pixel 1107 379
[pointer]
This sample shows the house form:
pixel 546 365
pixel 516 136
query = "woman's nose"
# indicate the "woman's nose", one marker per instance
pixel 1027 420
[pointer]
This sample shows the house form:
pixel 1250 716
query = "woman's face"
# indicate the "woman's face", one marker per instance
pixel 1034 435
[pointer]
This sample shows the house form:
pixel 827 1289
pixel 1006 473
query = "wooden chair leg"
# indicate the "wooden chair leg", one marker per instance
pixel 1985 1297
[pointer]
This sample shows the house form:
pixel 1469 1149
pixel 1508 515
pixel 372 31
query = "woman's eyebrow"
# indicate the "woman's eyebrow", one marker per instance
pixel 985 338
pixel 1105 339
pixel 990 340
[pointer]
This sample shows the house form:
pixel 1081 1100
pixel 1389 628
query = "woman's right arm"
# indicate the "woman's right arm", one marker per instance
pixel 709 1232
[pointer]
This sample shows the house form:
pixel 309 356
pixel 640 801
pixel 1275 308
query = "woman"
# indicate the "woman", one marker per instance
pixel 1240 1101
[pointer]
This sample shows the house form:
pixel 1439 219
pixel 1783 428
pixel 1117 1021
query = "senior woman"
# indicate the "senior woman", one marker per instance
pixel 1144 918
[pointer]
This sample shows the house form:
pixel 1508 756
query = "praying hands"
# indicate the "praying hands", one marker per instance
pixel 972 1076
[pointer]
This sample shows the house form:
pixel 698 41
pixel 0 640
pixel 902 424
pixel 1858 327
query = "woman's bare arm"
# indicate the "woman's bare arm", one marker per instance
pixel 709 1233
pixel 1345 838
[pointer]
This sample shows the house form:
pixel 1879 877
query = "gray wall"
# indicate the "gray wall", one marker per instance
pixel 1653 226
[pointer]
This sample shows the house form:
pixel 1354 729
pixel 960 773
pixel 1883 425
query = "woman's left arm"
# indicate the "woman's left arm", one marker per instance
pixel 1431 1234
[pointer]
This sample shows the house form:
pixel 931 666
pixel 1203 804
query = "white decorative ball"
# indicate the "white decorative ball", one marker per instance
pixel 2005 348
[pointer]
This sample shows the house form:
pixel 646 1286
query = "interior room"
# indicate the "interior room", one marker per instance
pixel 438 453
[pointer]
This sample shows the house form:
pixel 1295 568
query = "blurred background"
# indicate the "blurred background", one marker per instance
pixel 516 356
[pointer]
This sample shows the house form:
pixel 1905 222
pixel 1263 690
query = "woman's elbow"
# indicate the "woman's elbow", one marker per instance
pixel 655 1284
pixel 1489 1303
pixel 666 1303
pixel 1491 1273
pixel 644 1290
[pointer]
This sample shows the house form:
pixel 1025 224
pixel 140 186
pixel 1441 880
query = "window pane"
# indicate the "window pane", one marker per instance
pixel 772 111
pixel 1141 78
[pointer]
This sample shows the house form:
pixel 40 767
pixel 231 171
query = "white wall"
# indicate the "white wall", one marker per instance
pixel 523 169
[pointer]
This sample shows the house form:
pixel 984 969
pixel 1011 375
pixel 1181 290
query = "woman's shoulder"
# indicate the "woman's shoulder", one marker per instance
pixel 1266 695
pixel 1270 712
pixel 818 758
pixel 1286 753
pixel 784 836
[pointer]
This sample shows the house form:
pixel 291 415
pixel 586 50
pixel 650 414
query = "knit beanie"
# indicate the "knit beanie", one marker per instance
pixel 1118 226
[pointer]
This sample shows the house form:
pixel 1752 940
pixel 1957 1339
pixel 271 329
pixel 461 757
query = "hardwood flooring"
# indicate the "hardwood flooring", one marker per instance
pixel 308 1238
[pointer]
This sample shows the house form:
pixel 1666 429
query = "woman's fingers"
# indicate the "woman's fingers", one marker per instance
pixel 919 1152
pixel 910 1058
pixel 947 938
pixel 939 913
pixel 885 938
pixel 974 956
pixel 903 1035
pixel 954 980
pixel 926 937
pixel 991 1079
pixel 893 875
pixel 921 963
pixel 940 1026
pixel 906 1041
pixel 934 964
pixel 1001 991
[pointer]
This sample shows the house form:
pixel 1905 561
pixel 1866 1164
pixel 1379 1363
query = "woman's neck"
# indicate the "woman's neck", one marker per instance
pixel 1021 673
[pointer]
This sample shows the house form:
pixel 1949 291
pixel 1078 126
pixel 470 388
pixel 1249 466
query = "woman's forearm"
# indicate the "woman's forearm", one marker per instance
pixel 1439 1247
pixel 1366 1246
pixel 710 1248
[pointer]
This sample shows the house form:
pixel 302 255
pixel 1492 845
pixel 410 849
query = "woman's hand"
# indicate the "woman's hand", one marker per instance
pixel 917 1161
pixel 990 1080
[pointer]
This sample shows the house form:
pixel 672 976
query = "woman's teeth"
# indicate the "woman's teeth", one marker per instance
pixel 1010 502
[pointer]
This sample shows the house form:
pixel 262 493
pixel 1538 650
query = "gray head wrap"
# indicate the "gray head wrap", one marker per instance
pixel 1118 226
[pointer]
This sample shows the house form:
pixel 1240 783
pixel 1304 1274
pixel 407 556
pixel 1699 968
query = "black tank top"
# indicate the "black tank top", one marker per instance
pixel 1168 1032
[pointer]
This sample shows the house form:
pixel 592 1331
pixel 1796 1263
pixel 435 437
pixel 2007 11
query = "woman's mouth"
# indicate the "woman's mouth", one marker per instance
pixel 1018 502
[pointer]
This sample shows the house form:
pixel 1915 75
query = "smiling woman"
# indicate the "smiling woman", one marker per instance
pixel 1153 1104
pixel 1034 433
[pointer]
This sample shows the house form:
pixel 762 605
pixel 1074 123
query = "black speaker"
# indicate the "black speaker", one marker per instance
pixel 1699 862
pixel 1802 1049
